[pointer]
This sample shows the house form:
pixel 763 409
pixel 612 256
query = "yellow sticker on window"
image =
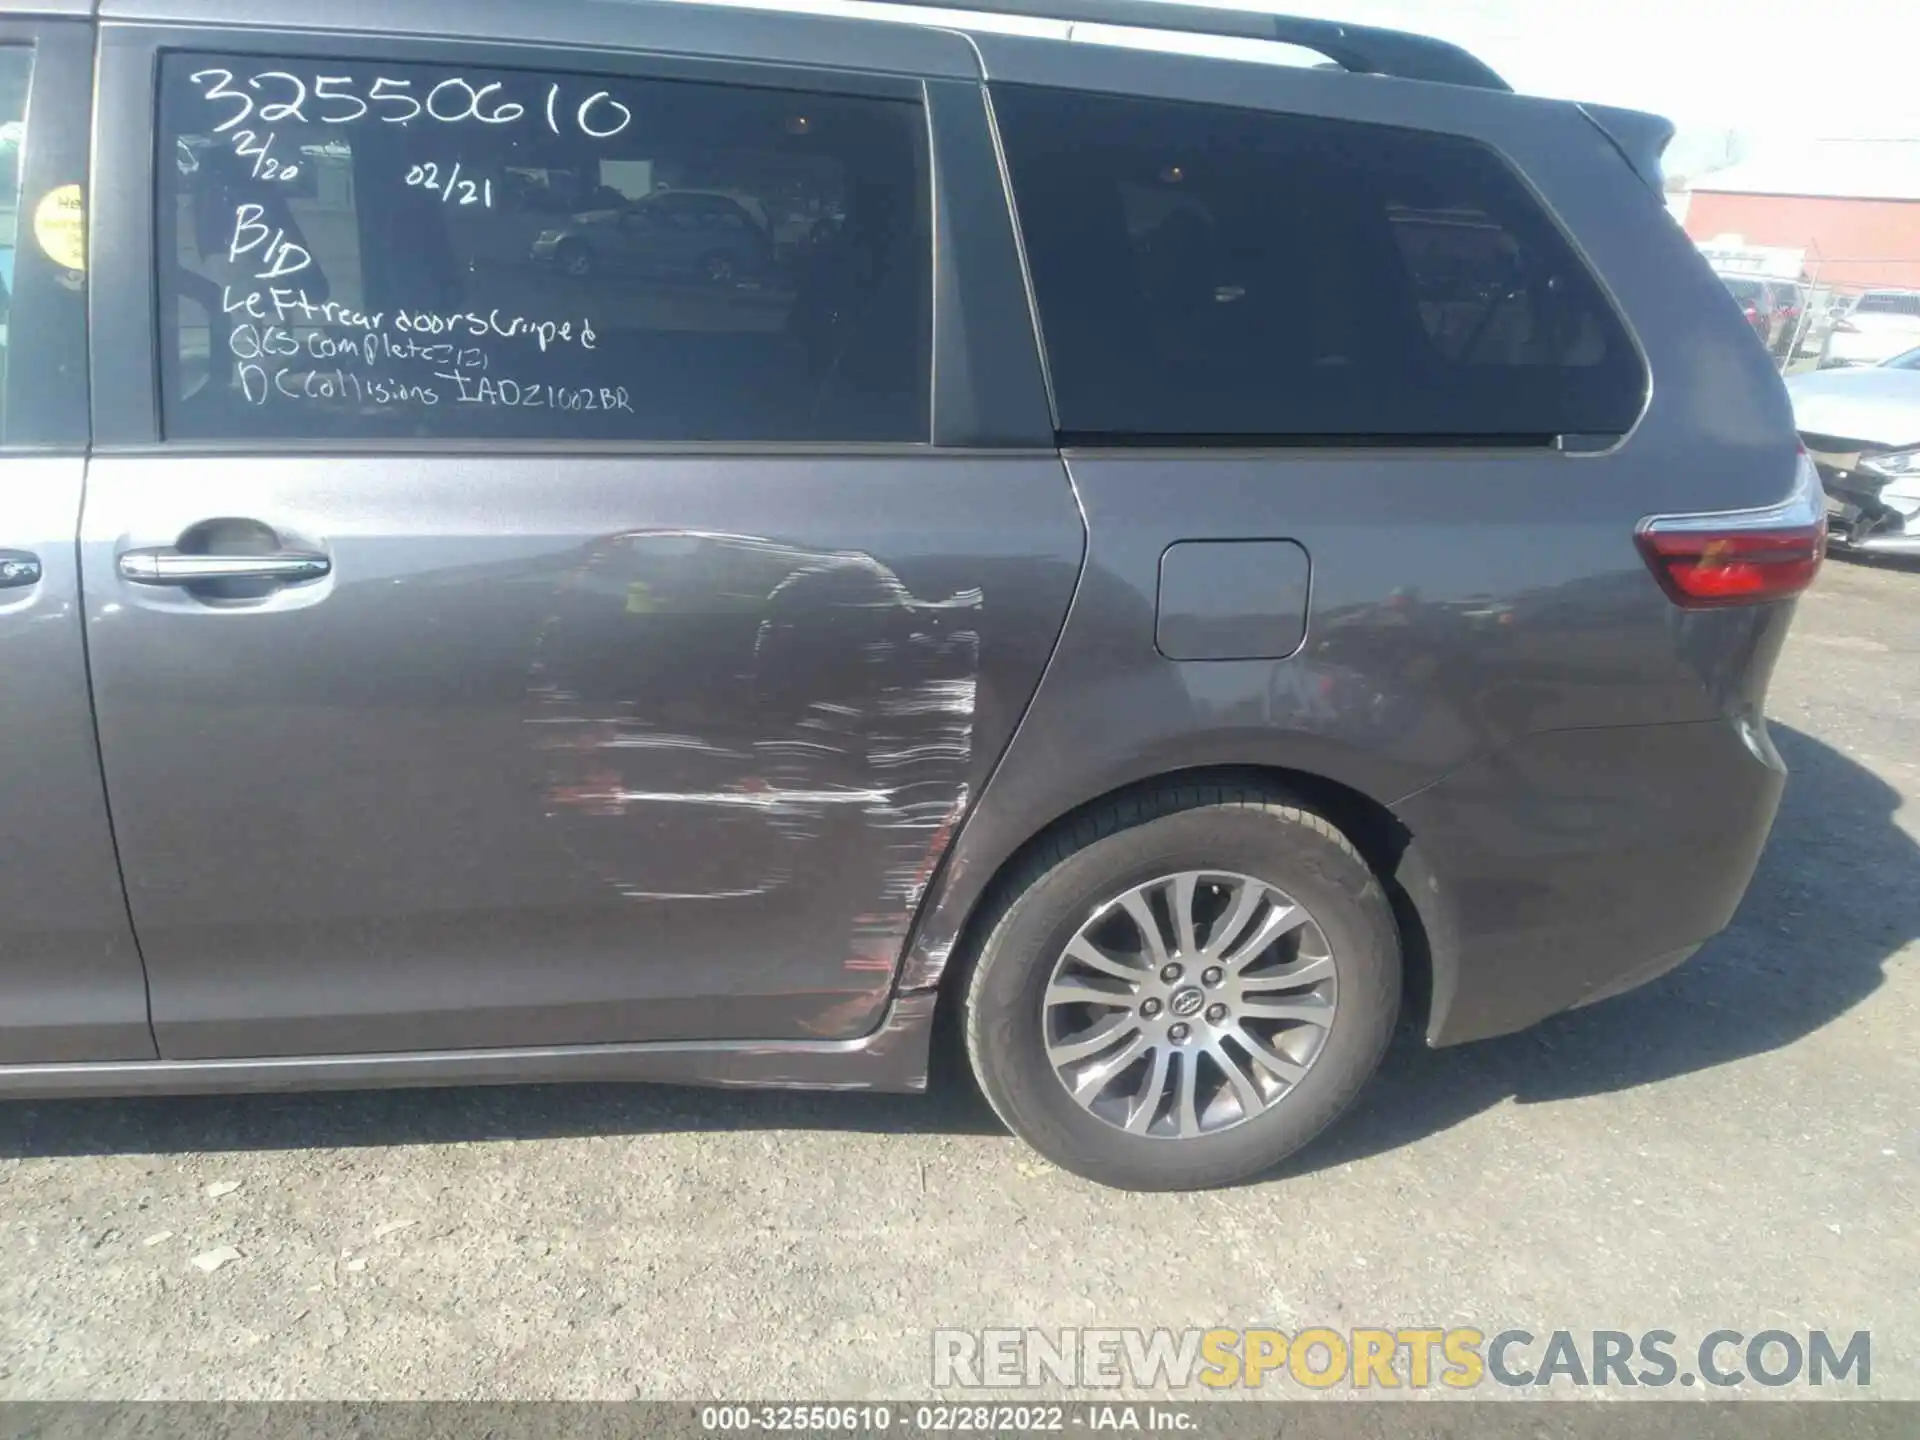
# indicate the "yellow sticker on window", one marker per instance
pixel 60 225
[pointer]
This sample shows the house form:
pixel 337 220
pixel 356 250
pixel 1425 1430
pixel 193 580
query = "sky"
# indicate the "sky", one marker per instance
pixel 1776 71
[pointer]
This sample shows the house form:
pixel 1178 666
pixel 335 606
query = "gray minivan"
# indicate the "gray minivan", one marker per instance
pixel 1171 560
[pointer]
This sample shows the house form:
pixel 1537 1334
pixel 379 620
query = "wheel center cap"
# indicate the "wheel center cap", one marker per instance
pixel 1186 1002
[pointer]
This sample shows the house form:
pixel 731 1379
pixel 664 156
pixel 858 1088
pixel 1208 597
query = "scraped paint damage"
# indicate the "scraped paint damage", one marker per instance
pixel 726 718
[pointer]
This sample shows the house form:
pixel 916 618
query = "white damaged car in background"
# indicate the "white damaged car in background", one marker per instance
pixel 1862 428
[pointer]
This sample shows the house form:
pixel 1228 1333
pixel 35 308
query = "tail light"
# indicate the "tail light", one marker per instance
pixel 1740 557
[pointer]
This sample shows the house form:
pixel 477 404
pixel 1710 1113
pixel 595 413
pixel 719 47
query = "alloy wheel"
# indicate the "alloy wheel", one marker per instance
pixel 1190 1004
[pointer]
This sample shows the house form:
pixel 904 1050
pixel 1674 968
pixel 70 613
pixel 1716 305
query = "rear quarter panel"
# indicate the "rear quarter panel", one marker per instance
pixel 1462 603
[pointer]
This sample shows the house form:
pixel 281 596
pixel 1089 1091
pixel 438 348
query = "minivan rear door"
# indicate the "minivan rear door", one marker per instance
pixel 497 645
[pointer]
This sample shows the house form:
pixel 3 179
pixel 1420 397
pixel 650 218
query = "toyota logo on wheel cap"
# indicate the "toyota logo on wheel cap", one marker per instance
pixel 1186 1002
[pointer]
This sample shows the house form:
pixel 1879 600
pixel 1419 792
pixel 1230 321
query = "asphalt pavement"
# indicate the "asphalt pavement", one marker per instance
pixel 1733 1147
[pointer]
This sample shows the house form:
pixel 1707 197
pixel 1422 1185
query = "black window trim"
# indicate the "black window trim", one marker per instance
pixel 1574 445
pixel 977 400
pixel 1340 440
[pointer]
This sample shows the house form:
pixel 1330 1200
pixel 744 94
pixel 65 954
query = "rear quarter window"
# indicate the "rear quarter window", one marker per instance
pixel 1204 272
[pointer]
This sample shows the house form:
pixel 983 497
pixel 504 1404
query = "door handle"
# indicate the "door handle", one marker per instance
pixel 167 566
pixel 18 568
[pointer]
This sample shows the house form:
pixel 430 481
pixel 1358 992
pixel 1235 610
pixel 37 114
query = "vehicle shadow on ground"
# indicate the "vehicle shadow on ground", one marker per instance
pixel 1833 899
pixel 185 1124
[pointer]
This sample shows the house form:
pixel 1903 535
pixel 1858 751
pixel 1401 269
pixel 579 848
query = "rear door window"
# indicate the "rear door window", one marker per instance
pixel 365 250
pixel 1203 272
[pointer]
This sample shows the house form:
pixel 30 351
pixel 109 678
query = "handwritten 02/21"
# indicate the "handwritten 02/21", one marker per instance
pixel 455 100
pixel 450 187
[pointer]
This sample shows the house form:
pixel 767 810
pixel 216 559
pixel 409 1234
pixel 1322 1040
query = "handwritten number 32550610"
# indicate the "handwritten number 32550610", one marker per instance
pixel 337 100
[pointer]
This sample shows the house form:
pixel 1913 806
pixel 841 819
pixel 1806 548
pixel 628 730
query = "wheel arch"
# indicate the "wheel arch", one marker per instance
pixel 941 955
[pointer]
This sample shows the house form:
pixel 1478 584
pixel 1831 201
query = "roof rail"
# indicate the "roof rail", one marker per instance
pixel 1363 49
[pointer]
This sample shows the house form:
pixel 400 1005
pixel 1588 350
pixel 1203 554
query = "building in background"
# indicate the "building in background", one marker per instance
pixel 1850 207
pixel 1679 199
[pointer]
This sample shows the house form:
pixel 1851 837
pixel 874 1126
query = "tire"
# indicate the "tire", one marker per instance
pixel 1077 879
pixel 576 260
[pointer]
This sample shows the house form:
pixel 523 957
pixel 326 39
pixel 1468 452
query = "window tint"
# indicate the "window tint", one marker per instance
pixel 16 69
pixel 1210 272
pixel 1745 290
pixel 381 250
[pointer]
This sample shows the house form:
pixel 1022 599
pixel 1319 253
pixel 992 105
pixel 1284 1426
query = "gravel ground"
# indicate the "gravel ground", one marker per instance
pixel 1734 1146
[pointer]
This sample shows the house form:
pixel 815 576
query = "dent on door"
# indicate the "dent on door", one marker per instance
pixel 710 708
pixel 520 771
